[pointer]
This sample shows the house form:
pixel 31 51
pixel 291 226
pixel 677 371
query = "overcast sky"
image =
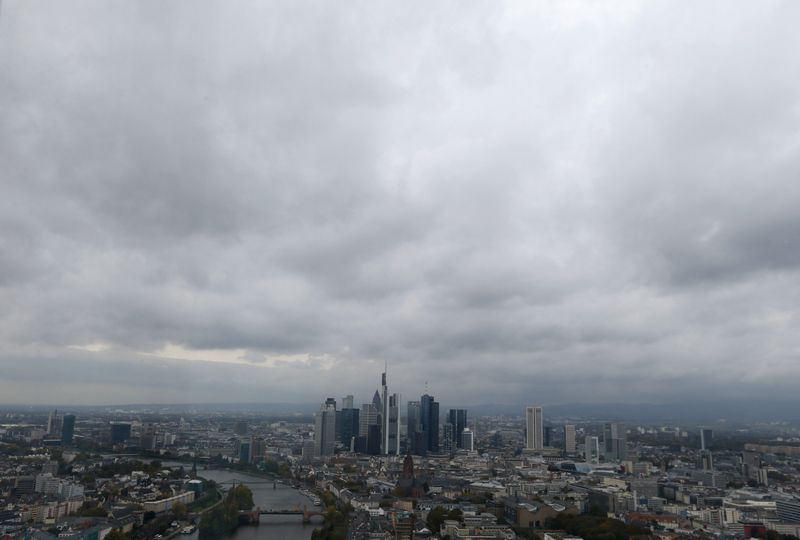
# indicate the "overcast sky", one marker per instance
pixel 523 202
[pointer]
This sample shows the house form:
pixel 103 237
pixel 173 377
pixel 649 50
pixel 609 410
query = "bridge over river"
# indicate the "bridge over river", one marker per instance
pixel 253 516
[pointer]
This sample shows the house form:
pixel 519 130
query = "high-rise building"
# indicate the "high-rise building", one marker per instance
pixel 347 426
pixel 243 451
pixel 307 453
pixel 467 440
pixel 393 425
pixel 325 429
pixel 120 432
pixel 368 417
pixel 534 425
pixel 374 439
pixel 414 427
pixel 591 449
pixel 384 414
pixel 338 426
pixel 258 447
pixel 403 428
pixel 347 401
pixel 458 419
pixel 376 401
pixel 54 424
pixel 147 437
pixel 548 436
pixel 569 439
pixel 68 428
pixel 614 442
pixel 448 438
pixel 751 464
pixel 429 413
pixel 706 460
pixel 706 438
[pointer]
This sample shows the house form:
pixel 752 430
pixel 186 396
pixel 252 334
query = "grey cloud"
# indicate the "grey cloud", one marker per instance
pixel 510 202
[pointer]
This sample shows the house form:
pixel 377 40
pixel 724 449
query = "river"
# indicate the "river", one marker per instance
pixel 264 496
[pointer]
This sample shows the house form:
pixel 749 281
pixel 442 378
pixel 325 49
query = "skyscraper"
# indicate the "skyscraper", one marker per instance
pixel 458 419
pixel 68 428
pixel 591 449
pixel 54 424
pixel 429 413
pixel 569 439
pixel 706 460
pixel 548 436
pixel 147 436
pixel 534 424
pixel 467 440
pixel 448 438
pixel 347 401
pixel 384 414
pixel 243 451
pixel 393 425
pixel 614 442
pixel 368 417
pixel 347 426
pixel 706 438
pixel 325 429
pixel 414 427
pixel 374 440
pixel 376 401
pixel 120 431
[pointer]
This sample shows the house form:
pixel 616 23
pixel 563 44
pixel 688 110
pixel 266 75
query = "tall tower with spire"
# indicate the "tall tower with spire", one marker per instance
pixel 384 413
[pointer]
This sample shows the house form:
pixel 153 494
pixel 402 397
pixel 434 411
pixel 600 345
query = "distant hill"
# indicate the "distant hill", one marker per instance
pixel 733 411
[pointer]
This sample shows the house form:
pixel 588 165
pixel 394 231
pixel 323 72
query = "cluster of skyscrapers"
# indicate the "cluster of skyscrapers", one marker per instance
pixel 377 428
pixel 614 439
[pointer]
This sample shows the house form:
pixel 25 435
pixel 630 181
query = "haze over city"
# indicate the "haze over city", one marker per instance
pixel 266 202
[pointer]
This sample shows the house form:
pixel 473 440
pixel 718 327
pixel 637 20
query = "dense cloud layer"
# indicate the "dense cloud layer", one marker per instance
pixel 236 201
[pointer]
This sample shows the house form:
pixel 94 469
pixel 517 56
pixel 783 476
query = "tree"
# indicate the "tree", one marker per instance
pixel 115 534
pixel 455 514
pixel 213 524
pixel 92 511
pixel 241 497
pixel 225 517
pixel 435 519
pixel 180 510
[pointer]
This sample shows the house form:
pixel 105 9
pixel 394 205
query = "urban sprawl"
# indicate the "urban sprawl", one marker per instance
pixel 389 469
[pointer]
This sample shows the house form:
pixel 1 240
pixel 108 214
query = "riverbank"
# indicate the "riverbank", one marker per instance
pixel 226 517
pixel 265 496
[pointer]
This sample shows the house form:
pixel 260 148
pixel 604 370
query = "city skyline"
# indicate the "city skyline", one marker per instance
pixel 219 202
pixel 418 270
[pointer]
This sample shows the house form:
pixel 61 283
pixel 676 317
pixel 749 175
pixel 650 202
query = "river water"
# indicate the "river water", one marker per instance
pixel 282 497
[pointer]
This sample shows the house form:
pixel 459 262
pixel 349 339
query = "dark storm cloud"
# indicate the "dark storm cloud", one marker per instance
pixel 550 203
